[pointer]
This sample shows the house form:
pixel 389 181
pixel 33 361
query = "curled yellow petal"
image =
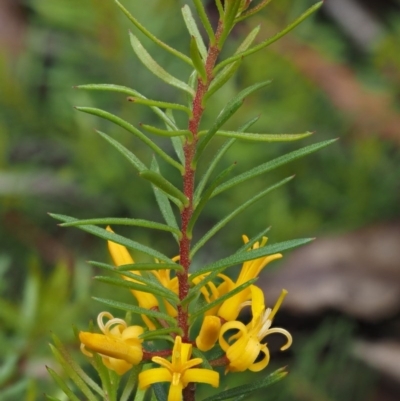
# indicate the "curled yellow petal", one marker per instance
pixel 112 347
pixel 209 333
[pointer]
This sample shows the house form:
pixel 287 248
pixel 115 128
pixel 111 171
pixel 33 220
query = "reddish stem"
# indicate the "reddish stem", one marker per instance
pixel 188 182
pixel 188 189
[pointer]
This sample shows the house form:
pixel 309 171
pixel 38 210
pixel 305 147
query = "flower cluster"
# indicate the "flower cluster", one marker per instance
pixel 122 346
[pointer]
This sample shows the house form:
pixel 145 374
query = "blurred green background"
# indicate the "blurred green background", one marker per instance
pixel 338 74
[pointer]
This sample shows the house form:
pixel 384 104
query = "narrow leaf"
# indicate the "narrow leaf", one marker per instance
pixel 155 68
pixel 124 151
pixel 253 10
pixel 222 223
pixel 193 30
pixel 76 368
pixel 131 383
pixel 153 334
pixel 157 103
pixel 268 166
pixel 255 137
pixel 221 79
pixel 221 299
pixel 110 236
pixel 163 201
pixel 159 181
pixel 269 41
pixel 197 60
pixel 230 70
pixel 177 142
pixel 74 376
pixel 249 388
pixel 159 392
pixel 248 40
pixel 133 130
pixel 168 133
pixel 124 222
pixel 220 8
pixel 153 37
pixel 204 199
pixel 204 20
pixel 136 309
pixel 253 240
pixel 138 266
pixel 149 287
pixel 62 384
pixel 131 92
pixel 217 157
pixel 231 107
pixel 251 255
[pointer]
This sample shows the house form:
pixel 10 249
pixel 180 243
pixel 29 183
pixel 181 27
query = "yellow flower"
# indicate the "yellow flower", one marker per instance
pixel 121 256
pixel 119 346
pixel 209 333
pixel 243 348
pixel 179 371
pixel 229 310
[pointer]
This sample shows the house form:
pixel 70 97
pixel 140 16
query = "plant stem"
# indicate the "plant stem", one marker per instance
pixel 188 189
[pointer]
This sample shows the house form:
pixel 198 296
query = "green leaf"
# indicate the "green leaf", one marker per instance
pixel 230 70
pixel 247 136
pixel 231 107
pixel 230 216
pixel 268 166
pixel 231 10
pixel 249 39
pixel 220 8
pixel 269 41
pixel 152 37
pixel 221 79
pixel 198 354
pixel 159 392
pixel 218 301
pixel 72 365
pixel 131 92
pixel 133 130
pixel 110 236
pixel 197 60
pixel 138 266
pixel 249 388
pixel 163 201
pixel 74 376
pixel 250 255
pixel 167 133
pixel 149 287
pixel 136 309
pixel 163 105
pixel 50 398
pixel 155 68
pixel 62 384
pixel 204 199
pixel 177 142
pixel 217 157
pixel 204 20
pixel 131 383
pixel 193 30
pixel 103 372
pixel 125 222
pixel 253 240
pixel 124 151
pixel 153 334
pixel 159 181
pixel 253 10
